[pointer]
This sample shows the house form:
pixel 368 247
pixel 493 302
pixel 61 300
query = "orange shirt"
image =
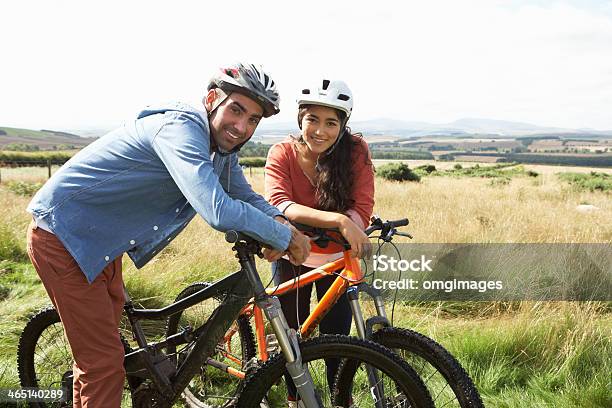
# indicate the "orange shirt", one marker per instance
pixel 286 183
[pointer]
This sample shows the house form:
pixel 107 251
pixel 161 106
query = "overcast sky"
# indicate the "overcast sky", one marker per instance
pixel 82 64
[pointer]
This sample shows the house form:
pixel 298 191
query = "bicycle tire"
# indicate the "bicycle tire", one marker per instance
pixel 354 391
pixel 447 381
pixel 44 357
pixel 203 393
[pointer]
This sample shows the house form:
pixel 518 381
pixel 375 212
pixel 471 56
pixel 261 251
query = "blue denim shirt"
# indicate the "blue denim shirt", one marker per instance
pixel 136 188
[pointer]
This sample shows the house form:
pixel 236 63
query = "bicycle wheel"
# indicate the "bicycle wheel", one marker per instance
pixel 401 386
pixel 447 382
pixel 44 358
pixel 213 386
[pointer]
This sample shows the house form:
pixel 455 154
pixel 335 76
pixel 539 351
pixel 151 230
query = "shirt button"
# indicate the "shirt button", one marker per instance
pixel 155 228
pixel 132 242
pixel 106 258
pixel 177 210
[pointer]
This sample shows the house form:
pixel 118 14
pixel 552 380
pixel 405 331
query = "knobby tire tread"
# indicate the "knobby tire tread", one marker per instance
pixel 257 383
pixel 408 340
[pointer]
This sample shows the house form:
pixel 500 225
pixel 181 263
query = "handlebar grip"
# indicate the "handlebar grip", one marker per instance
pixel 371 229
pixel 232 236
pixel 399 223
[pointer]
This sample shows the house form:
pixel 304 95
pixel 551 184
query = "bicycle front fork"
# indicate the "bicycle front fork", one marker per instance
pixel 289 345
pixel 286 337
pixel 364 331
pixel 364 327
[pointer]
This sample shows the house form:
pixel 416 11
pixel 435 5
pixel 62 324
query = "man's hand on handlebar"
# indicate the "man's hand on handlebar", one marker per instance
pixel 298 250
pixel 299 247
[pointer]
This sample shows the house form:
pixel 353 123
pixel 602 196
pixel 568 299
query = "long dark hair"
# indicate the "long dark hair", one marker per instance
pixel 334 186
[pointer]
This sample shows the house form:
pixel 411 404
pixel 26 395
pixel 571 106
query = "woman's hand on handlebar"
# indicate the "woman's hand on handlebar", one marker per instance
pixel 357 239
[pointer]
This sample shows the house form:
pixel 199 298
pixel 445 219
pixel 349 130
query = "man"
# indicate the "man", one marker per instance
pixel 133 191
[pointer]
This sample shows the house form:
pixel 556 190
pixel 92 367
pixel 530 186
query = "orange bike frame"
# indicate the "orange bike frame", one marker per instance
pixel 351 274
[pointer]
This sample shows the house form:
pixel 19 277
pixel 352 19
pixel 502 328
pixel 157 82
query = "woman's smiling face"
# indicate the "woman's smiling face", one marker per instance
pixel 320 128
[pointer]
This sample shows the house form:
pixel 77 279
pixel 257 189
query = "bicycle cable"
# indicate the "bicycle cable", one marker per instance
pixel 399 255
pixel 296 277
pixel 380 244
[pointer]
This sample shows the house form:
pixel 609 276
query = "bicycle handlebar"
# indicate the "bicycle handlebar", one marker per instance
pixel 246 243
pixel 379 225
pixel 322 237
pixel 387 228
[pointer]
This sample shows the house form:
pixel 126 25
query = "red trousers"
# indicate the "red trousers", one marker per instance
pixel 90 314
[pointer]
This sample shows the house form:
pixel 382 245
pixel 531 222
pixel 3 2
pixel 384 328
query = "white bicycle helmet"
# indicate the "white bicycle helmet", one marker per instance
pixel 331 93
pixel 251 80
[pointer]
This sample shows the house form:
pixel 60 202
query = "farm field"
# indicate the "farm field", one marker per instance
pixel 540 168
pixel 520 354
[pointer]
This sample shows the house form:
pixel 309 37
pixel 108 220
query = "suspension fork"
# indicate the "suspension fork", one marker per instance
pixel 376 295
pixel 286 336
pixel 362 332
pixel 381 316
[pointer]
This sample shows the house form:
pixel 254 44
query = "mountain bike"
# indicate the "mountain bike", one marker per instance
pixel 241 348
pixel 159 371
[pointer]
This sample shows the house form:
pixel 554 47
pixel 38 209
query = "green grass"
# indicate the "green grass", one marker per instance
pixel 252 161
pixel 504 170
pixel 592 181
pixel 11 247
pixel 40 158
pixel 499 173
pixel 23 188
pixel 21 295
pixel 540 355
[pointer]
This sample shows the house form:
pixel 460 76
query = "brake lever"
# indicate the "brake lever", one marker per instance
pixel 403 234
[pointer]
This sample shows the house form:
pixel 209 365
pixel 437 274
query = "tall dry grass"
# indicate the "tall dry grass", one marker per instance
pixel 440 209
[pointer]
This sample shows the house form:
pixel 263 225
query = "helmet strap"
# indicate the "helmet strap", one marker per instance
pixel 221 96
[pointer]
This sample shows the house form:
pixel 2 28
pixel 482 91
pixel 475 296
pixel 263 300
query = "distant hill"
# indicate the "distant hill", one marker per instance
pixel 43 139
pixel 374 130
pixel 459 128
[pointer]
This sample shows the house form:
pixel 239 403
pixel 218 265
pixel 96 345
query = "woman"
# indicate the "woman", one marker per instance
pixel 323 178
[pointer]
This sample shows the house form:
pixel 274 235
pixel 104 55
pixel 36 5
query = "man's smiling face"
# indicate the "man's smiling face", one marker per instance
pixel 234 121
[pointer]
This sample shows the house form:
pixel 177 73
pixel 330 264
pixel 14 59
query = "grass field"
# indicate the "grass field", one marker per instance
pixel 521 354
